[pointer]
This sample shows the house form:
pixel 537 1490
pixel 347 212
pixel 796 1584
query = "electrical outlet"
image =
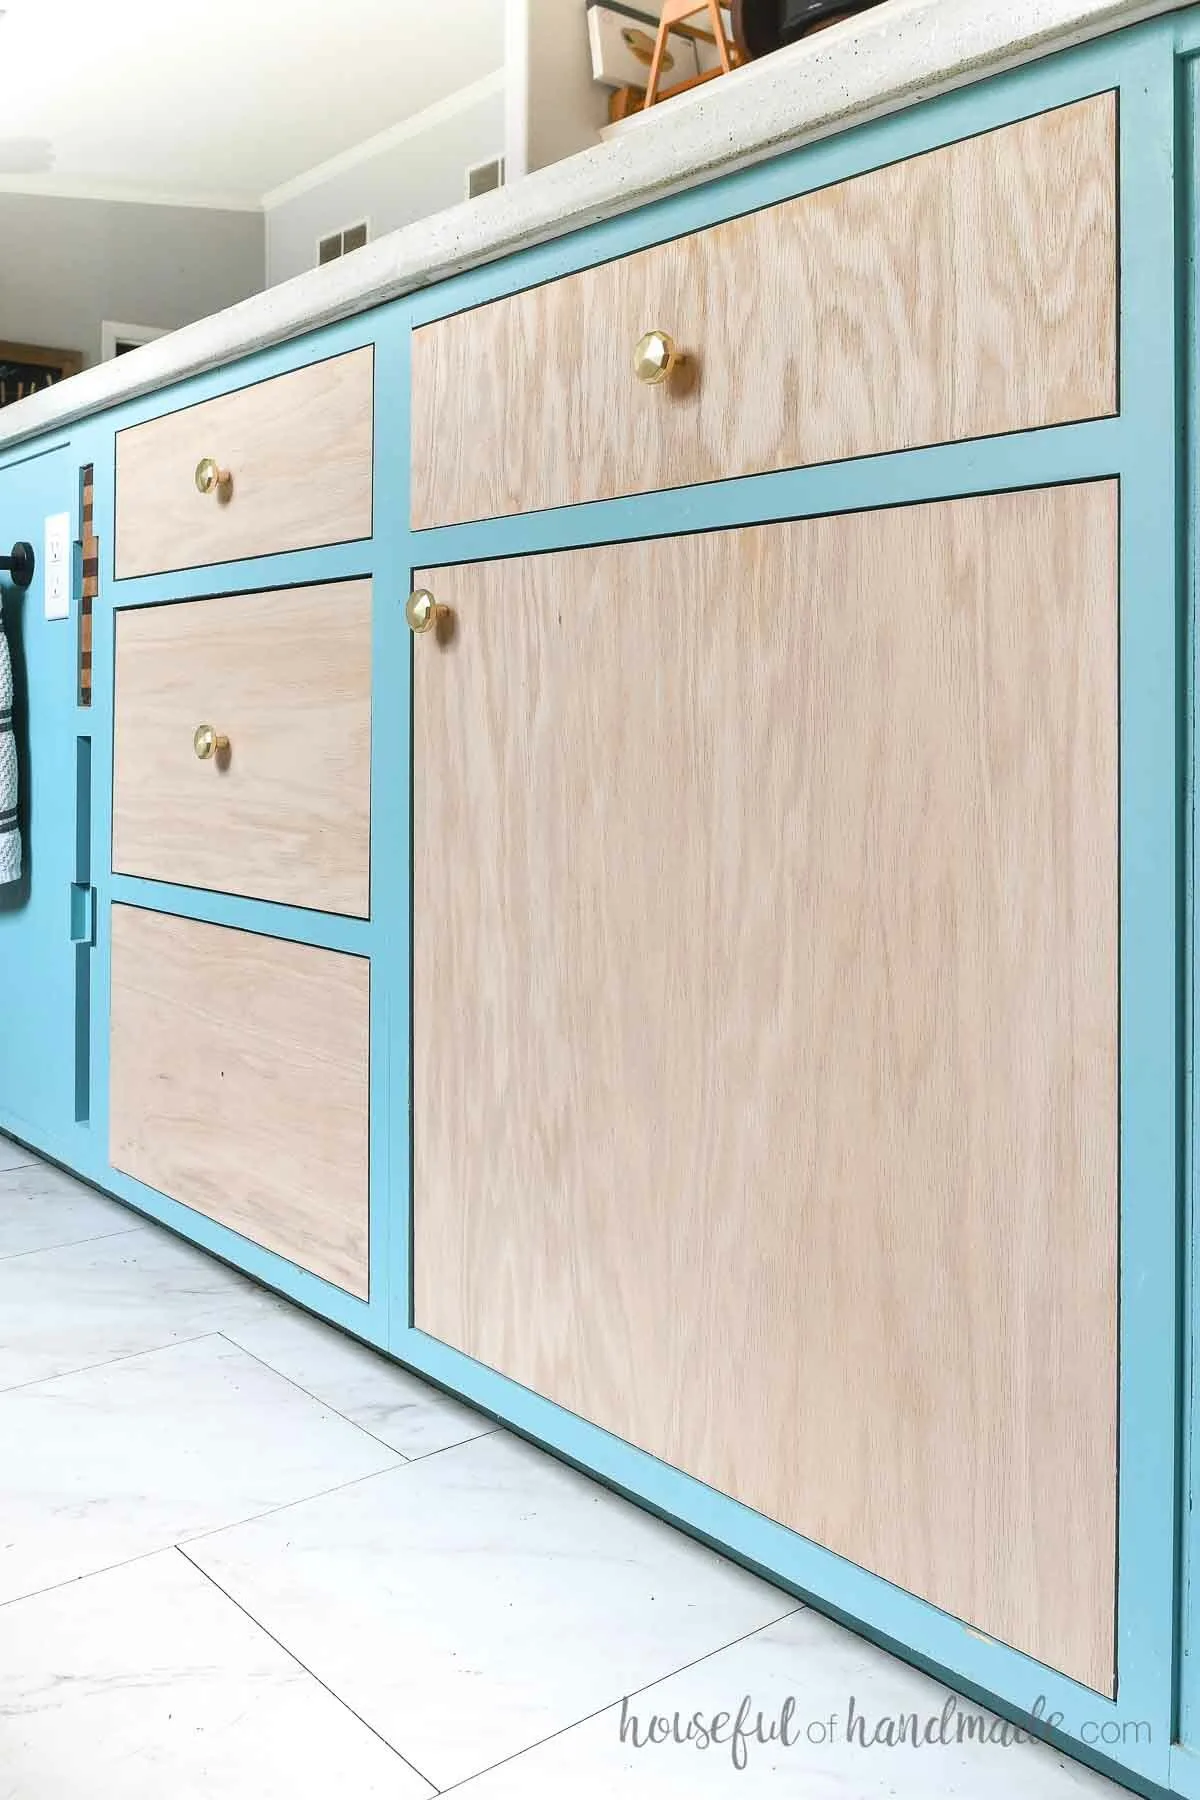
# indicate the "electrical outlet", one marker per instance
pixel 56 566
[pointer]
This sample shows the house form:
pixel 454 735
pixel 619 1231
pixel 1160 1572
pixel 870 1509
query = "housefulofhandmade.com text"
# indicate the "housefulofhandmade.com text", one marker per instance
pixel 740 1728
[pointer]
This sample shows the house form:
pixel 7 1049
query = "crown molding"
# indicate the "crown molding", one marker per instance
pixel 461 101
pixel 66 187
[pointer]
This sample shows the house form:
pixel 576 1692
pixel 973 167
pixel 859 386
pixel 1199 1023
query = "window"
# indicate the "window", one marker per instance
pixel 116 339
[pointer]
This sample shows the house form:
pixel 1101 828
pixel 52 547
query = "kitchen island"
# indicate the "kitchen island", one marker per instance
pixel 611 813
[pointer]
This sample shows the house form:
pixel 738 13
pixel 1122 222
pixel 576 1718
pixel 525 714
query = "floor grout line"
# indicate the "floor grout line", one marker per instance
pixel 192 1537
pixel 96 1237
pixel 326 1405
pixel 108 1362
pixel 311 1673
pixel 630 1694
pixel 54 1587
pixel 459 1443
pixel 329 1406
pixel 339 1487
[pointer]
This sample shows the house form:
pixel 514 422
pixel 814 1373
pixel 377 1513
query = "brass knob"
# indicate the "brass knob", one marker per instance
pixel 210 475
pixel 208 743
pixel 656 356
pixel 421 610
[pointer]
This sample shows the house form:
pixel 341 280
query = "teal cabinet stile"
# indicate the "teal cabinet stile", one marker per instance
pixel 857 649
pixel 46 958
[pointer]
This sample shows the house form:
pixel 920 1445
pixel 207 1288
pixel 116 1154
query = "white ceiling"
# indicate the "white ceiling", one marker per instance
pixel 217 102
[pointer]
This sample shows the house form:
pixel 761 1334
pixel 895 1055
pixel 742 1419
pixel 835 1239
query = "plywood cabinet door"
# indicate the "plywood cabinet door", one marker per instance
pixel 765 1030
pixel 239 1084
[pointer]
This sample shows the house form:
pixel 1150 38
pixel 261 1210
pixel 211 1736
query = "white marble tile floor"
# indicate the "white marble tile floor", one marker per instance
pixel 243 1558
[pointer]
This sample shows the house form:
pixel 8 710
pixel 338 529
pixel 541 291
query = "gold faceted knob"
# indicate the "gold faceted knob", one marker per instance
pixel 421 610
pixel 210 476
pixel 656 356
pixel 208 743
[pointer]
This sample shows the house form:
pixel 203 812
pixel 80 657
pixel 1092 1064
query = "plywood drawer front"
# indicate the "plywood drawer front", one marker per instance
pixel 965 292
pixel 239 1084
pixel 765 1026
pixel 297 448
pixel 285 813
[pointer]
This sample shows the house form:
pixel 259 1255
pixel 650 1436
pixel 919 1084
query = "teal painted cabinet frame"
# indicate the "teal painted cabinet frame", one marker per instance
pixel 1151 1731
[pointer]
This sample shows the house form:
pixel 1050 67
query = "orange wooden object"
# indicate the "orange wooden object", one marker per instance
pixel 674 12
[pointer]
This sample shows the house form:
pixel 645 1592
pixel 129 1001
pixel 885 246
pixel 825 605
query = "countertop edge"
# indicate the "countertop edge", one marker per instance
pixel 904 52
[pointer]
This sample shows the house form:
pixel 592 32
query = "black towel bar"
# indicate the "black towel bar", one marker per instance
pixel 19 564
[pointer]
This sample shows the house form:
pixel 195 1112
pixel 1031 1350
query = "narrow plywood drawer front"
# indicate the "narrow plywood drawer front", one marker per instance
pixel 239 1084
pixel 965 292
pixel 298 453
pixel 284 813
pixel 765 1026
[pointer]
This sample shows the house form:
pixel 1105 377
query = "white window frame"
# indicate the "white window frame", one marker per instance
pixel 112 333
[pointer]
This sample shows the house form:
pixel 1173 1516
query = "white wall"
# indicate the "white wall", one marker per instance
pixel 417 169
pixel 540 107
pixel 543 105
pixel 554 106
pixel 68 264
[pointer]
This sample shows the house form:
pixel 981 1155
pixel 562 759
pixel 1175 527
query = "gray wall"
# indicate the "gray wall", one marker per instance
pixel 409 180
pixel 67 264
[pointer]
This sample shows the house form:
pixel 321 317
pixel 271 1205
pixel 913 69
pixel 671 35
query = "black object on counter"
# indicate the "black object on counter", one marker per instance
pixel 761 26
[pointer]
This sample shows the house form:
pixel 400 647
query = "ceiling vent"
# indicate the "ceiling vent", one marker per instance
pixel 340 243
pixel 483 177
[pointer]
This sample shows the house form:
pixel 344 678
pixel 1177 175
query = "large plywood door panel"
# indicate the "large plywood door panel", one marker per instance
pixel 765 1032
pixel 239 1084
pixel 969 291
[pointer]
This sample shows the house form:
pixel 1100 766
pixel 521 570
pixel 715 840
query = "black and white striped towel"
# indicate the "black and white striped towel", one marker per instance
pixel 10 836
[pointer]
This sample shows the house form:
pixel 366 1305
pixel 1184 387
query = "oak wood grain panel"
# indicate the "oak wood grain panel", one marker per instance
pixel 961 293
pixel 286 676
pixel 765 1030
pixel 239 1084
pixel 298 448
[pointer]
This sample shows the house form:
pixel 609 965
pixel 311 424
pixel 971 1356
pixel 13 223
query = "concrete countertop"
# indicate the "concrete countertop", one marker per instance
pixel 876 63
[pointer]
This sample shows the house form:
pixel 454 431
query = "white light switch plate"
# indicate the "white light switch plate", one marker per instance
pixel 56 566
